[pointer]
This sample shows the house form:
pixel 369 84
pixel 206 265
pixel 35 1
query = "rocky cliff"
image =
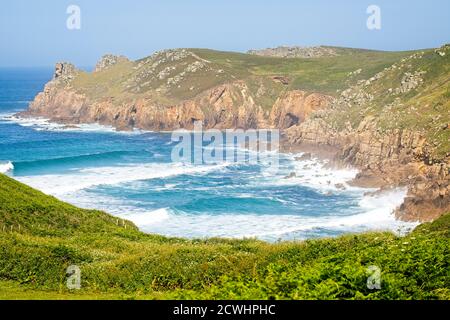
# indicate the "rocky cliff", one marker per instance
pixel 398 152
pixel 389 159
pixel 225 106
pixel 230 104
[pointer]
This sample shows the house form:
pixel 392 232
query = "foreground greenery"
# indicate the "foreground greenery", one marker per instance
pixel 41 236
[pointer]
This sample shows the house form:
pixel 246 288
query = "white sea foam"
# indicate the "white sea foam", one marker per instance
pixel 6 115
pixel 312 173
pixel 376 214
pixel 15 101
pixel 44 124
pixel 5 167
pixel 167 186
pixel 59 184
pixel 26 122
pixel 128 210
pixel 145 218
pixel 375 211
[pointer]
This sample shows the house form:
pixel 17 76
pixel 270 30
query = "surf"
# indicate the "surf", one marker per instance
pixel 86 178
pixel 5 167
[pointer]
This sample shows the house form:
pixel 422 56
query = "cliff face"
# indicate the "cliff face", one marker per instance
pixel 172 88
pixel 394 158
pixel 376 126
pixel 225 106
pixel 218 108
pixel 294 107
pixel 230 105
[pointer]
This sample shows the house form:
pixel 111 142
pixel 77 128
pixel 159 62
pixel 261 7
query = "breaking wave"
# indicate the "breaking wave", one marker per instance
pixel 56 184
pixel 5 167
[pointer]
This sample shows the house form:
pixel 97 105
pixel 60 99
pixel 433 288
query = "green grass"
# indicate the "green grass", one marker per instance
pixel 325 75
pixel 11 290
pixel 119 262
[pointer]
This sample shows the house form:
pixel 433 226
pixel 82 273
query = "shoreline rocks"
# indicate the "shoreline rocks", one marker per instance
pixel 397 158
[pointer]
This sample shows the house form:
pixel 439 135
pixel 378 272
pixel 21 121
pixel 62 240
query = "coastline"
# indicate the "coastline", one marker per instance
pixel 370 122
pixel 393 175
pixel 326 154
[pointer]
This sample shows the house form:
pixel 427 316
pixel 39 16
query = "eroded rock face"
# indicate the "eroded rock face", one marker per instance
pixel 230 105
pixel 393 158
pixel 64 71
pixel 295 106
pixel 225 106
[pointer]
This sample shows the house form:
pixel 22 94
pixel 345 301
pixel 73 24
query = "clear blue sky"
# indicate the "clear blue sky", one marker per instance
pixel 34 33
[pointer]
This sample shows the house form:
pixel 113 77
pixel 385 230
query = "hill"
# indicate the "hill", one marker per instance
pixel 41 236
pixel 171 88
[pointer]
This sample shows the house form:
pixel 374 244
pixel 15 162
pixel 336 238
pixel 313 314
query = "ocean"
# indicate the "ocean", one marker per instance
pixel 131 175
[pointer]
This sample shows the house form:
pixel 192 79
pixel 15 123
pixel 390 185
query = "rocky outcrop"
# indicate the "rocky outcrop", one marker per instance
pixel 107 61
pixel 442 51
pixel 295 52
pixel 410 81
pixel 65 72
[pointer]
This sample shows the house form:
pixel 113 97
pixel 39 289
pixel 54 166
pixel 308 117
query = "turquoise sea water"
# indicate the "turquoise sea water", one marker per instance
pixel 131 175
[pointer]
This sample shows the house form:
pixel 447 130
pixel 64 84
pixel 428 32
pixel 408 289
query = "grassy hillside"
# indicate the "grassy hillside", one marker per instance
pixel 413 93
pixel 41 236
pixel 174 75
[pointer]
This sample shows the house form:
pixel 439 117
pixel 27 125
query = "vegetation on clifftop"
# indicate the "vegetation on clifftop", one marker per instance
pixel 171 76
pixel 41 236
pixel 412 94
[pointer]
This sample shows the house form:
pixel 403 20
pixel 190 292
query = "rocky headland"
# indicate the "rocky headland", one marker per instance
pixel 228 105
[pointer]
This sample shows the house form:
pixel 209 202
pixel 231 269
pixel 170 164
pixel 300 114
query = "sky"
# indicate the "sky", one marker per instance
pixel 35 33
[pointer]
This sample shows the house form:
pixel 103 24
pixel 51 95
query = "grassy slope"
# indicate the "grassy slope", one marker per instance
pixel 325 75
pixel 425 108
pixel 121 262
